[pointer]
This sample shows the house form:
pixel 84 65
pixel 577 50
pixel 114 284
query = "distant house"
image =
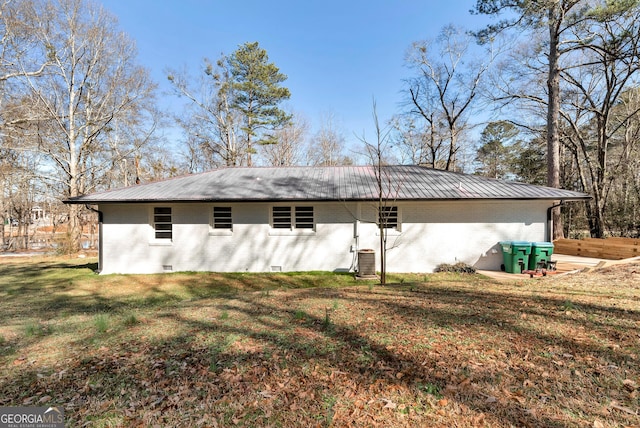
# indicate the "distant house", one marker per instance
pixel 316 218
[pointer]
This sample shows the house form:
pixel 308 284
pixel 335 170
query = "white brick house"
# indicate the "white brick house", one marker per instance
pixel 315 218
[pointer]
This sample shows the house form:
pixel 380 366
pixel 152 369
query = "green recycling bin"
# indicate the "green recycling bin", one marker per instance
pixel 540 252
pixel 516 255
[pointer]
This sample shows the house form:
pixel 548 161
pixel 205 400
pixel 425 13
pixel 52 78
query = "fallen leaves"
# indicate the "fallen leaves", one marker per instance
pixel 388 404
pixel 616 406
pixel 44 399
pixel 19 361
pixel 266 394
pixel 442 354
pixel 630 385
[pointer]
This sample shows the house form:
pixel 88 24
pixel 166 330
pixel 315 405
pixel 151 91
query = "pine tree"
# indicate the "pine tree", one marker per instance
pixel 495 155
pixel 257 91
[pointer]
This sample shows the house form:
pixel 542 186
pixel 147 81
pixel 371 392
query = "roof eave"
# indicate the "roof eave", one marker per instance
pixel 299 200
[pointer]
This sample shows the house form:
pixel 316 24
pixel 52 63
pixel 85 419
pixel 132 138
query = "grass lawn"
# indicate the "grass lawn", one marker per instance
pixel 313 349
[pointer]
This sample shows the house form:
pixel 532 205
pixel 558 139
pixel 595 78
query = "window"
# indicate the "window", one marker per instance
pixel 282 217
pixel 222 218
pixel 389 217
pixel 302 218
pixel 162 223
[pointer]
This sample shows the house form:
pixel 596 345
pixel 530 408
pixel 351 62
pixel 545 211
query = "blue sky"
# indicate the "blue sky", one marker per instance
pixel 338 55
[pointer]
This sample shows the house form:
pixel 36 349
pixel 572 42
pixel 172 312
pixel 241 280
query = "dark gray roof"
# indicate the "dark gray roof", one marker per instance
pixel 343 183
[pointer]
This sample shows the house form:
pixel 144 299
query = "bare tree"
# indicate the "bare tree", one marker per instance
pixel 553 23
pixel 20 184
pixel 289 149
pixel 387 187
pixel 624 204
pixel 414 142
pixel 19 53
pixel 444 90
pixel 92 84
pixel 327 146
pixel 19 56
pixel 210 122
pixel 597 108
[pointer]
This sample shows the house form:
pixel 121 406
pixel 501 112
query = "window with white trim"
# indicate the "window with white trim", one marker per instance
pixel 291 218
pixel 162 223
pixel 389 217
pixel 222 218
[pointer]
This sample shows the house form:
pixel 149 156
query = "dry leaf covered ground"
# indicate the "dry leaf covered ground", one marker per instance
pixel 320 349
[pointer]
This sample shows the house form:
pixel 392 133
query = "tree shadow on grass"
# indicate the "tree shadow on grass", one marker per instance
pixel 414 373
pixel 93 267
pixel 281 355
pixel 43 289
pixel 152 379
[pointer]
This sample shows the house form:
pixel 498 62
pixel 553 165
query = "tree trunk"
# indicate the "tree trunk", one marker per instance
pixel 553 115
pixel 451 158
pixel 598 223
pixel 383 254
pixel 74 225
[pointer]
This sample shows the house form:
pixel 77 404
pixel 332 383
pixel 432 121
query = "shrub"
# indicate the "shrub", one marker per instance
pixel 63 244
pixel 456 268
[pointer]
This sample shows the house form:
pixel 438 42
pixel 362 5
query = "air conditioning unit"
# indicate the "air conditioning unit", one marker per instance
pixel 367 263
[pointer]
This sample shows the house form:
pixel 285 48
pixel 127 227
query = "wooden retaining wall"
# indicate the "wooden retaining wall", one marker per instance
pixel 610 248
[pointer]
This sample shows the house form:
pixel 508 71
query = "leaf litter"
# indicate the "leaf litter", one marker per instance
pixel 555 352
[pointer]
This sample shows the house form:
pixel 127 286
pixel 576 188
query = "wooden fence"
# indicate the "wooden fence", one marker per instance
pixel 610 248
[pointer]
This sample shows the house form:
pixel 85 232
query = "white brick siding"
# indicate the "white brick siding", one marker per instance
pixel 430 233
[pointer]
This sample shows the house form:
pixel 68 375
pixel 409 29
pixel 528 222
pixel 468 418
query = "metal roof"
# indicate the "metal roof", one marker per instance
pixel 340 183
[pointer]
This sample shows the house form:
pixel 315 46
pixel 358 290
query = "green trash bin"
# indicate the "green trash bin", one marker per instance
pixel 516 255
pixel 540 252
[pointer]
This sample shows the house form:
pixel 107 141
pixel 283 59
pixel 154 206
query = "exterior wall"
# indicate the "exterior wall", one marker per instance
pixel 252 246
pixel 449 232
pixel 430 233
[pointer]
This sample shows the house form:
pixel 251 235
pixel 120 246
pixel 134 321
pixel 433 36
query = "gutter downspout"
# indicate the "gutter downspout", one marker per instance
pixel 100 220
pixel 549 238
pixel 356 240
